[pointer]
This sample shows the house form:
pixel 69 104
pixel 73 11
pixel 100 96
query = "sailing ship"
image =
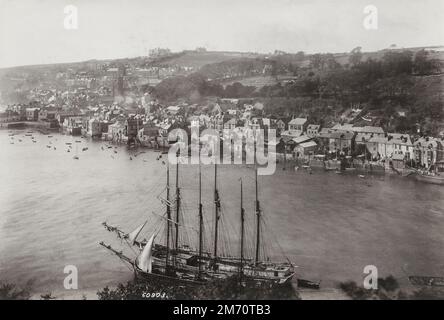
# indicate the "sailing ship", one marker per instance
pixel 179 263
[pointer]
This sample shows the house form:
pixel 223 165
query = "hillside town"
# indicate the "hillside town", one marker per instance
pixel 146 123
pixel 222 150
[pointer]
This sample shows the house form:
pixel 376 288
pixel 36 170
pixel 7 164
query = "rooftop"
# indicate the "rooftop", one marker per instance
pixel 298 121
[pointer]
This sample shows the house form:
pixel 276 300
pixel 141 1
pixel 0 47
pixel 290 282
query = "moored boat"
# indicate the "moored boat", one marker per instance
pixel 430 178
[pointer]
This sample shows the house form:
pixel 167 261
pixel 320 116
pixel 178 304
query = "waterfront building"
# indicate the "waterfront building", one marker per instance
pixel 369 131
pixel 398 161
pixel 334 141
pixel 148 134
pixel 342 127
pixel 280 125
pixel 132 126
pixel 428 151
pixel 9 116
pixel 305 149
pixel 32 114
pixel 116 131
pixel 230 124
pixel 62 115
pixel 297 126
pixel 313 130
pixel 94 128
pixel 48 113
pixel 73 125
pixel 390 145
pixel 301 139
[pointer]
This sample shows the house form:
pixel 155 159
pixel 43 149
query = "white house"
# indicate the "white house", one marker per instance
pixel 313 130
pixel 297 125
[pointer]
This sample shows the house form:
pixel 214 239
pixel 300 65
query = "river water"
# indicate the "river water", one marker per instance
pixel 331 226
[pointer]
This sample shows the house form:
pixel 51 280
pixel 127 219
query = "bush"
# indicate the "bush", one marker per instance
pixel 10 291
pixel 230 289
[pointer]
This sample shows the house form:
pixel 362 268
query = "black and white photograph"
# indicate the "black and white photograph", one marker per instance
pixel 221 150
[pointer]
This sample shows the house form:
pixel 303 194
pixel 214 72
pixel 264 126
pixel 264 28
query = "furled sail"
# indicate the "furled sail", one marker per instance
pixel 145 259
pixel 133 235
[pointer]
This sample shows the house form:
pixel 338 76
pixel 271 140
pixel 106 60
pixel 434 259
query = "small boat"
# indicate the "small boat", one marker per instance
pixel 84 149
pixel 427 281
pixel 302 283
pixel 431 178
pixel 361 176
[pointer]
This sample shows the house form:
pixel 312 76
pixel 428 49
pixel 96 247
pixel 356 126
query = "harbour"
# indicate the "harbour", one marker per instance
pixel 329 225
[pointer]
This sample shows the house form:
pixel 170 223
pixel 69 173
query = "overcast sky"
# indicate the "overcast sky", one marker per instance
pixel 32 31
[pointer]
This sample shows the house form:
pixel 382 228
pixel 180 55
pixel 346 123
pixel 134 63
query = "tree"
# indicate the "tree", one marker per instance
pixel 355 56
pixel 10 291
pixel 397 62
pixel 316 61
pixel 422 65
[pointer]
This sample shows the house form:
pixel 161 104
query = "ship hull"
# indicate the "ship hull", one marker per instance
pixel 431 179
pixel 158 278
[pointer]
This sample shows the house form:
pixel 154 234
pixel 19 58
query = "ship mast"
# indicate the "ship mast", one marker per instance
pixel 168 218
pixel 258 211
pixel 177 201
pixel 242 210
pixel 200 218
pixel 216 213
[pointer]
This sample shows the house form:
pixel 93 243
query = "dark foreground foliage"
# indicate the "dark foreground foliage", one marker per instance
pixel 10 291
pixel 388 289
pixel 229 289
